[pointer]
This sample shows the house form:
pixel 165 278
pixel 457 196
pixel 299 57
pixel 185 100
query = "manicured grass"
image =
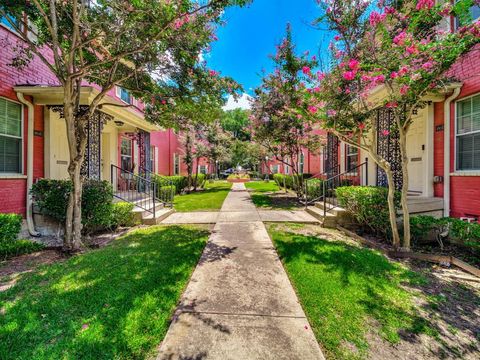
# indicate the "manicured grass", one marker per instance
pixel 210 199
pixel 111 303
pixel 264 196
pixel 347 291
pixel 262 186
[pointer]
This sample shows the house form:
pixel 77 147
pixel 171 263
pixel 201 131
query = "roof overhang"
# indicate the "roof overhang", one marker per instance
pixel 53 95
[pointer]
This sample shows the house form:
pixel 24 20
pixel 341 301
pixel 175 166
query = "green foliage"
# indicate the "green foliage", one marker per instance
pixel 236 121
pixel 166 193
pixel 262 186
pixel 460 232
pixel 292 182
pixel 180 182
pixel 51 197
pixel 349 292
pixel 18 247
pixel 238 177
pixel 122 215
pixel 10 226
pixel 314 188
pixel 112 303
pixel 199 180
pixel 368 205
pixel 97 205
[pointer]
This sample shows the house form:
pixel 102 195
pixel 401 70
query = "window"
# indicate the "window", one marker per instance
pixel 7 23
pixel 10 137
pixel 152 159
pixel 176 164
pixel 124 95
pixel 351 157
pixel 468 134
pixel 202 169
pixel 126 155
pixel 275 169
pixel 473 14
pixel 301 163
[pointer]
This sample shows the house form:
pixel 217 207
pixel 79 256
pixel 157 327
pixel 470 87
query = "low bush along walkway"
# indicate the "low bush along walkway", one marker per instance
pixel 267 195
pixel 362 305
pixel 110 303
pixel 210 198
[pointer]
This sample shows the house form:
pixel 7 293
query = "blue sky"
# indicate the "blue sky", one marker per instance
pixel 252 32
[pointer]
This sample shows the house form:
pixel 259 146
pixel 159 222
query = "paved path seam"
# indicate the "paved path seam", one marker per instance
pixel 239 303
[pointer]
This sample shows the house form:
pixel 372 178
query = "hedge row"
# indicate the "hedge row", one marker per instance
pixel 369 206
pixel 98 210
pixel 10 226
pixel 424 229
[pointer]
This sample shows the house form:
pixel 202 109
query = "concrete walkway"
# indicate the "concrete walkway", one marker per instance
pixel 239 303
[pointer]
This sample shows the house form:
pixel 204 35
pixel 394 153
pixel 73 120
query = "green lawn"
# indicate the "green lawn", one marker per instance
pixel 111 303
pixel 346 291
pixel 267 195
pixel 210 199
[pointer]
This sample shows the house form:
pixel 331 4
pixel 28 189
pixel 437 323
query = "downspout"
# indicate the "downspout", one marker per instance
pixel 29 203
pixel 446 155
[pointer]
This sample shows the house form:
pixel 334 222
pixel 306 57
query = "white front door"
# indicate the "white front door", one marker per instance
pixel 416 151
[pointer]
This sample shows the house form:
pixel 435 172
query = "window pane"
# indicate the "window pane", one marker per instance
pixel 464 125
pixel 10 154
pixel 126 148
pixel 464 107
pixel 468 152
pixel 10 118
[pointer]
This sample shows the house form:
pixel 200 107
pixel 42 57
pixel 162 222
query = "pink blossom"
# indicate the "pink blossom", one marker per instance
pixel 316 89
pixel 349 75
pixel 361 126
pixel 312 109
pixel 331 112
pixel 425 4
pixel 428 65
pixel 385 132
pixel 391 105
pixel 306 70
pixel 376 18
pixel 412 49
pixel 299 116
pixel 314 58
pixel 213 73
pixel 353 64
pixel 320 75
pixel 404 89
pixel 337 37
pixel 403 70
pixel 400 38
pixel 393 75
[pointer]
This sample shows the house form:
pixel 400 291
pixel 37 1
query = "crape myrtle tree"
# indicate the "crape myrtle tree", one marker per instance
pixel 281 118
pixel 190 106
pixel 108 43
pixel 401 50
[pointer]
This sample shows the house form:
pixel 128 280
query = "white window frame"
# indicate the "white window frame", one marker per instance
pixel 347 156
pixel 456 25
pixel 22 138
pixel 118 93
pixel 301 163
pixel 455 157
pixel 153 158
pixel 176 163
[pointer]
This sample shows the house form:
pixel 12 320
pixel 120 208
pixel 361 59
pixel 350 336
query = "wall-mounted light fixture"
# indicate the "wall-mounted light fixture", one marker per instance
pixel 119 123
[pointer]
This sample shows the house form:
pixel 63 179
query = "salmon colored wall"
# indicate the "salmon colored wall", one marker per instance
pixel 438 147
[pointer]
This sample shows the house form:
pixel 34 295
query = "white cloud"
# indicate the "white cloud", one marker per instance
pixel 243 102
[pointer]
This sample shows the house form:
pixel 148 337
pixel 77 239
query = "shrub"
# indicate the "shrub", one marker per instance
pixel 238 177
pixel 18 247
pixel 10 226
pixel 368 205
pixel 278 178
pixel 122 215
pixel 166 193
pixel 97 205
pixel 314 188
pixel 180 182
pixel 51 197
pixel 460 232
pixel 199 179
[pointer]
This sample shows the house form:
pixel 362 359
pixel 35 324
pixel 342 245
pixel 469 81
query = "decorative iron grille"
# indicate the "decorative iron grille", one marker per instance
pixel 143 138
pixel 388 147
pixel 91 167
pixel 331 155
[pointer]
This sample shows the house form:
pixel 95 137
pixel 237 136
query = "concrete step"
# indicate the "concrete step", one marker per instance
pixel 335 210
pixel 140 212
pixel 160 215
pixel 424 205
pixel 328 221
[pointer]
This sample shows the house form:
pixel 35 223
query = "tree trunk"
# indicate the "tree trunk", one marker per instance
pixel 404 198
pixel 391 209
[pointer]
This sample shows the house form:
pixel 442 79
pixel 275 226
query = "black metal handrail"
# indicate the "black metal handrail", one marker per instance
pixel 134 189
pixel 306 200
pixel 333 182
pixel 165 188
